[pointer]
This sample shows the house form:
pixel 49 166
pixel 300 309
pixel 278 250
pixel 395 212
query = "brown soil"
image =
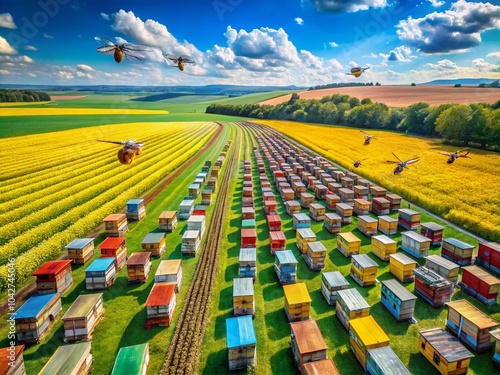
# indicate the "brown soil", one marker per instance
pixel 67 97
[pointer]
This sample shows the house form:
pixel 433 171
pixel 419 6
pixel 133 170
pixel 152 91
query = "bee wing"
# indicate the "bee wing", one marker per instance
pixel 349 74
pixel 104 41
pixel 118 143
pixel 171 59
pixel 139 144
pixel 397 157
pixel 411 161
pixel 138 47
pixel 393 162
pixel 108 50
pixel 444 153
pixel 129 54
pixel 188 60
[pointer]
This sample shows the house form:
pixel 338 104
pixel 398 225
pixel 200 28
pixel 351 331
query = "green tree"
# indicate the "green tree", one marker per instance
pixel 366 101
pixel 452 123
pixel 354 102
pixel 415 116
pixel 429 123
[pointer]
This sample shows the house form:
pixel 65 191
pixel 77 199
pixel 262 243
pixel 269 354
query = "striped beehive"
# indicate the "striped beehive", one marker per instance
pixel 344 211
pixel 387 225
pixel 285 266
pixel 457 251
pixel 367 225
pixel 116 225
pixel 301 221
pixel 247 263
pixel 69 359
pixel 317 211
pixel 277 241
pixel 303 236
pixel 480 284
pixel 361 206
pixel 80 250
pixel 132 360
pixel 167 221
pixel 83 316
pixel 347 182
pixel 212 181
pixel 270 208
pixel 115 247
pixel 334 187
pixel 170 271
pixel 292 207
pixel 488 256
pixel 352 176
pixel 363 269
pixel 322 366
pixel 380 206
pixel 433 288
pixel 331 201
pixel 287 194
pixel 408 219
pixel 268 196
pixel 160 305
pixel 138 267
pixel 383 361
pixel 361 192
pixel 332 223
pixel 394 201
pixel 348 244
pixel 364 182
pixel 273 222
pixel 190 242
pixel 315 256
pixel 337 175
pixel 241 342
pixel 155 243
pixel 308 344
pixel 306 199
pixel 54 277
pixel 136 210
pixel 298 187
pixel 346 196
pixel 377 191
pixel 297 302
pixel 243 296
pixel 432 231
pixel 249 212
pixel 206 196
pixel 365 334
pixel 415 244
pixel 443 267
pixel 194 190
pixel 186 209
pixel 320 191
pixel 383 246
pixel 197 222
pixel 402 266
pixel 331 283
pixel 100 274
pixel 12 360
pixel 398 300
pixel 350 305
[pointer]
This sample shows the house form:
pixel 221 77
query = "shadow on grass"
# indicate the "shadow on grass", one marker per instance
pixel 273 292
pixel 282 362
pixel 231 271
pixel 217 364
pixel 277 324
pixel 226 298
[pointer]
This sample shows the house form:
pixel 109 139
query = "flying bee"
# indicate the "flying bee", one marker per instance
pixel 127 50
pixel 357 163
pixel 368 137
pixel 178 61
pixel 357 71
pixel 455 155
pixel 129 150
pixel 401 164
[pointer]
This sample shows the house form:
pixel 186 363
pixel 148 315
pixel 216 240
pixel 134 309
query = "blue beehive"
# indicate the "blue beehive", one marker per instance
pixel 286 267
pixel 100 274
pixel 241 342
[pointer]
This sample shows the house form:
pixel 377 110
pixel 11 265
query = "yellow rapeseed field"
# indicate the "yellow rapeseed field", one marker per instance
pixel 465 192
pixel 77 111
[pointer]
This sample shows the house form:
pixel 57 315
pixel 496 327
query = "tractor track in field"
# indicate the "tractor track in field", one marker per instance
pixel 184 351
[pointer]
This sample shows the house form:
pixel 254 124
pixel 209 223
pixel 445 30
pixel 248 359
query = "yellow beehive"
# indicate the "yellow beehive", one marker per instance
pixel 383 247
pixel 361 206
pixel 364 270
pixel 297 302
pixel 366 334
pixel 387 225
pixel 243 296
pixel 304 235
pixel 317 211
pixel 344 211
pixel 331 201
pixel 367 225
pixel 401 266
pixel 348 244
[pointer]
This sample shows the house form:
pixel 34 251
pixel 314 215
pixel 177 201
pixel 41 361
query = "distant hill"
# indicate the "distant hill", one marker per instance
pixel 463 81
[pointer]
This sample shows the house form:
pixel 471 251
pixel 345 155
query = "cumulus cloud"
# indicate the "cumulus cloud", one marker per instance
pixel 436 3
pixel 494 55
pixel 455 30
pixel 66 75
pixel 484 66
pixel 85 67
pixel 47 36
pixel 401 53
pixel 3 71
pixel 443 65
pixel 6 48
pixel 347 6
pixel 7 21
pixel 299 21
pixel 31 48
pixel 333 44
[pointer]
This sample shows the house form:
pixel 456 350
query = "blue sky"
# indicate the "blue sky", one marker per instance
pixel 250 42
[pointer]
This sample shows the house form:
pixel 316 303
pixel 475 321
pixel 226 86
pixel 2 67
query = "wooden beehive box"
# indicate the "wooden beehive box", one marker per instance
pixel 268 196
pixel 387 225
pixel 443 267
pixel 488 256
pixel 347 182
pixel 365 334
pixel 190 242
pixel 322 366
pixel 115 247
pixel 377 191
pixel 186 209
pixel 331 283
pixel 285 266
pixel 292 207
pixel 270 208
pixel 273 222
pixel 301 221
pixel 361 192
pixel 315 255
pixel 364 182
pixel 383 361
pixel 248 192
pixel 344 211
pixel 352 176
pixel 470 325
pixel 320 191
pixel 317 211
pixel 194 190
pixel 241 342
pixel 363 269
pixel 277 241
pixel 132 360
pixel 200 210
pixel 136 210
pixel 346 196
pixel 248 223
pixel 80 250
pixel 100 274
pixel 332 223
pixel 312 182
pixel 457 251
pixel 305 177
pixel 69 359
pixel 215 171
pixel 35 316
pixel 206 196
pixel 350 305
pixel 348 244
pixel 433 288
pixel 298 187
pixel 408 219
pixel 247 263
pixel 334 188
pixel 303 236
pixel 308 344
pixel 287 194
pixel 12 360
pixel 362 206
pixel 170 271
pixel 243 296
pixel 367 225
pixel 249 212
pixel 54 277
pixel 116 225
pixel 160 305
pixel 496 338
pixel 444 351
pixel 82 317
pixel 380 206
pixel 401 266
pixel 247 177
pixel 167 221
pixel 415 244
pixel 480 284
pixel 248 237
pixel 212 181
pixel 138 267
pixel 306 199
pixel 331 201
pixel 383 246
pixel 297 302
pixel 394 201
pixel 337 175
pixel 197 222
pixel 398 300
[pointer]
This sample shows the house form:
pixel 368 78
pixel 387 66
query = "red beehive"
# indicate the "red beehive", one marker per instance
pixel 160 304
pixel 248 237
pixel 480 284
pixel 274 222
pixel 54 277
pixel 271 207
pixel 488 256
pixel 277 241
pixel 114 247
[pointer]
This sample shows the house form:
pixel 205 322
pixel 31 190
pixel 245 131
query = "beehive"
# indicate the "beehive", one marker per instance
pixel 136 209
pixel 273 222
pixel 167 221
pixel 361 192
pixel 53 277
pixel 212 181
pixel 367 225
pixel 408 219
pixel 377 191
pixel 199 210
pixel 322 366
pixel 241 342
pixel 331 283
pixel 301 221
pixel 402 266
pixel 443 267
pixel 132 360
pixel 160 305
pixel 337 175
pixel 444 351
pixel 457 251
pixel 303 236
pixel 247 263
pixel 470 325
pixel 285 266
pixel 138 266
pixel 308 344
pixel 348 244
pixel 298 187
pixel 363 269
pixel 82 317
pixel 170 271
pixel 332 223
pixel 248 192
pixel 331 201
pixel 361 206
pixel 80 250
pixel 380 206
pixel 12 360
pixel 287 194
pixel 383 246
pixel 116 225
pixel 243 296
pixel 347 182
pixel 433 288
pixel 346 196
pixel 365 334
pixel 398 300
pixel 155 243
pixel 394 201
pixel 320 191
pixel 496 338
pixel 268 196
pixel 488 256
pixel 190 242
pixel 415 244
pixel 334 188
pixel 312 181
pixel 114 247
pixel 69 359
pixel 350 305
pixel 277 241
pixel 480 284
pixel 306 199
pixel 364 182
pixel 197 222
pixel 248 223
pixel 344 211
pixel 297 302
pixel 292 207
pixel 315 256
pixel 194 190
pixel 248 237
pixel 317 211
pixel 270 208
pixel 186 209
pixel 383 361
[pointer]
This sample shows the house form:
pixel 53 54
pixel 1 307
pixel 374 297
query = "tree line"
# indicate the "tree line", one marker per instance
pixel 343 84
pixel 23 96
pixel 475 125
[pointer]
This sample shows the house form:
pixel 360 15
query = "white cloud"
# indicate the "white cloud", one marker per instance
pixel 32 74
pixel 333 44
pixel 443 65
pixel 47 36
pixel 401 53
pixel 436 3
pixel 7 21
pixel 31 48
pixel 484 66
pixel 347 6
pixel 66 75
pixel 3 71
pixel 85 67
pixel 6 48
pixel 494 54
pixel 105 16
pixel 299 21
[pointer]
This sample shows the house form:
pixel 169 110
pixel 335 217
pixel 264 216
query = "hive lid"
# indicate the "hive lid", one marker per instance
pixel 240 331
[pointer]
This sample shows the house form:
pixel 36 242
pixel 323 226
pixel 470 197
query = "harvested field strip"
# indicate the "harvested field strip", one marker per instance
pixel 78 111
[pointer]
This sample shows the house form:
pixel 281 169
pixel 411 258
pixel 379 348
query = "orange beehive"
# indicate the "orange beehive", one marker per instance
pixel 54 277
pixel 114 247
